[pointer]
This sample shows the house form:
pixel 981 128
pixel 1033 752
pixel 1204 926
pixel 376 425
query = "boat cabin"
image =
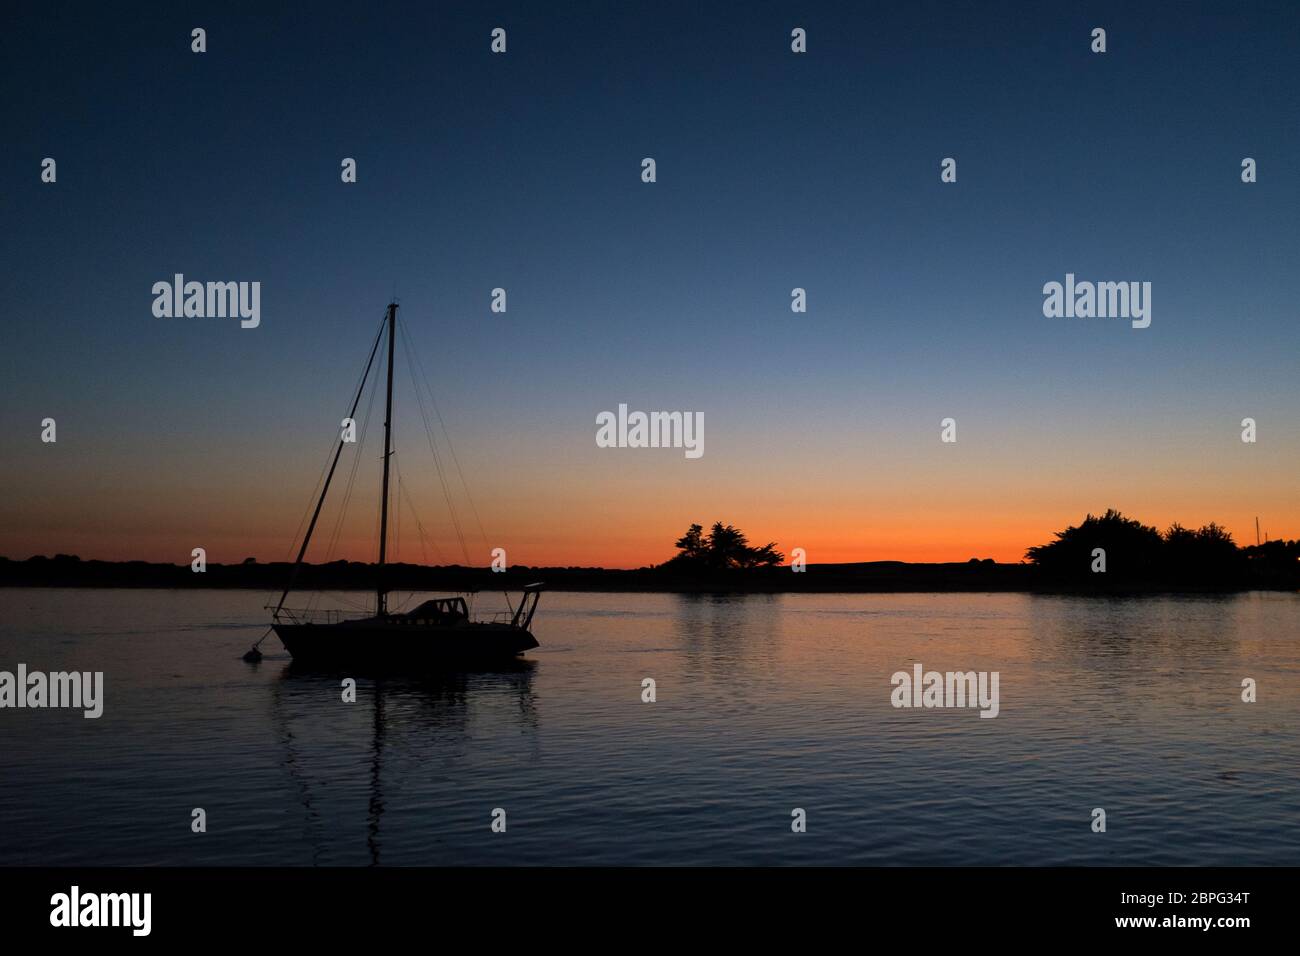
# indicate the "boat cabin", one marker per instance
pixel 441 611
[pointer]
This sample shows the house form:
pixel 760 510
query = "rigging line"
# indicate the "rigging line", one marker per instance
pixel 419 525
pixel 348 490
pixel 396 540
pixel 410 347
pixel 352 471
pixel 401 494
pixel 324 466
pixel 428 430
pixel 413 359
pixel 437 460
pixel 288 554
pixel 337 451
pixel 397 518
pixel 405 602
pixel 316 487
pixel 351 483
pixel 380 510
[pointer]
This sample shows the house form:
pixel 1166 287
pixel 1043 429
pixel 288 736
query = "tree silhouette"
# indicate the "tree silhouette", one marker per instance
pixel 1202 555
pixel 725 547
pixel 692 544
pixel 1136 552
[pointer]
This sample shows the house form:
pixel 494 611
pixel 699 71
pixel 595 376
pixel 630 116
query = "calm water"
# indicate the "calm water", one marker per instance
pixel 765 703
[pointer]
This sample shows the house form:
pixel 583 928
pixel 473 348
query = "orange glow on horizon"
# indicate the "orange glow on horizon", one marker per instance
pixel 631 544
pixel 578 506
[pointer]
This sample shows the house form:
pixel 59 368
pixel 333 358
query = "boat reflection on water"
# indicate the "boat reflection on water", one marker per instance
pixel 422 719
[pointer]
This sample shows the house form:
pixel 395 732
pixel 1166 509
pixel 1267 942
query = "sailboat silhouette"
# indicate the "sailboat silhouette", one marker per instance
pixel 437 631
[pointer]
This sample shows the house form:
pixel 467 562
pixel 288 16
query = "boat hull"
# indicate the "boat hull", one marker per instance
pixel 392 644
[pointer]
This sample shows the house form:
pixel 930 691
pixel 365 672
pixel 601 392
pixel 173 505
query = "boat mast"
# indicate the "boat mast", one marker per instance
pixel 381 606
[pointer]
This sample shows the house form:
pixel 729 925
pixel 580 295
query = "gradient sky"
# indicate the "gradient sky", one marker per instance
pixel 774 171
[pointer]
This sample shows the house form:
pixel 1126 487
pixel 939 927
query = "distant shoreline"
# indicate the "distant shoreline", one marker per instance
pixel 857 578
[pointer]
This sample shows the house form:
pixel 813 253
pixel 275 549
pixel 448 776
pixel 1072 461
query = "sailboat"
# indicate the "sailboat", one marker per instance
pixel 436 632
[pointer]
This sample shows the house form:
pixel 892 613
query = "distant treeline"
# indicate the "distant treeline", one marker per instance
pixel 1136 558
pixel 1113 550
pixel 70 571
